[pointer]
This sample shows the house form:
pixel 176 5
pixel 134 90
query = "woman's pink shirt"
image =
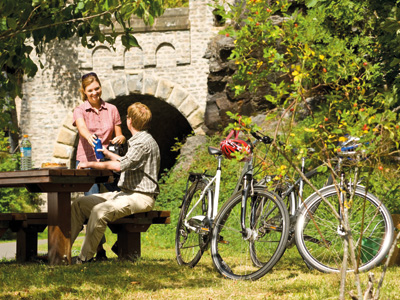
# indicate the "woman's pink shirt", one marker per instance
pixel 101 123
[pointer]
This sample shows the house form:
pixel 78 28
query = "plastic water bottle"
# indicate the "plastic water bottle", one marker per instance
pixel 98 145
pixel 26 153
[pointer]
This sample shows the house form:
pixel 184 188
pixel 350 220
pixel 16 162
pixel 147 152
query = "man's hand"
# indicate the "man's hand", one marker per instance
pixel 105 151
pixel 108 154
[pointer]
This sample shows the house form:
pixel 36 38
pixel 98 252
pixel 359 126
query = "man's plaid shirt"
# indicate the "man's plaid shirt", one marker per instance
pixel 140 165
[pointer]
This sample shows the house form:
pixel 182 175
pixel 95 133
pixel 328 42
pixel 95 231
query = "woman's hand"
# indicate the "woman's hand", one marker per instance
pixel 119 139
pixel 82 165
pixel 91 139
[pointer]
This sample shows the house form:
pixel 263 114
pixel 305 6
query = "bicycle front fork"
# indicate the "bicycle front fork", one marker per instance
pixel 247 189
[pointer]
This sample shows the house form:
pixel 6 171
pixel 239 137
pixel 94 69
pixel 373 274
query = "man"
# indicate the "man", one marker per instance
pixel 138 183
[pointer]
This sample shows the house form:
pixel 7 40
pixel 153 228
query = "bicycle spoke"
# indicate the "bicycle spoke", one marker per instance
pixel 189 243
pixel 252 255
pixel 371 246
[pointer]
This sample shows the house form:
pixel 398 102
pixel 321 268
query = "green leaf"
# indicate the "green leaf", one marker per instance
pixel 129 41
pixel 394 62
pixel 80 6
pixel 3 23
pixel 311 3
pixel 30 67
pixel 105 5
pixel 12 23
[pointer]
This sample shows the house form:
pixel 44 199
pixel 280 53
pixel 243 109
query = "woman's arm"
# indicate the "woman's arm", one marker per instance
pixel 119 138
pixel 84 131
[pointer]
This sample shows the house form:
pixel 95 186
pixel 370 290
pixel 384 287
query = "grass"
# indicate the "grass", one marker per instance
pixel 156 275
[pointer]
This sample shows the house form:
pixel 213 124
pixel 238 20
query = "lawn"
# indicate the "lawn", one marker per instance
pixel 156 275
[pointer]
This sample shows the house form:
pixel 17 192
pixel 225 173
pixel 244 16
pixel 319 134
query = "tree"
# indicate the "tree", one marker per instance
pixel 30 24
pixel 335 60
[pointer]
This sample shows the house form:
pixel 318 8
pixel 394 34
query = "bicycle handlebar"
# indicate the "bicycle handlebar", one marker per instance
pixel 350 148
pixel 265 139
pixel 345 150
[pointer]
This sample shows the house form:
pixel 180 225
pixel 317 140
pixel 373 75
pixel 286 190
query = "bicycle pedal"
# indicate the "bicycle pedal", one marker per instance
pixel 204 230
pixel 222 241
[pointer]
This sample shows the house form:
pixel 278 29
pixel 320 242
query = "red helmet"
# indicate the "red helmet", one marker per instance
pixel 229 146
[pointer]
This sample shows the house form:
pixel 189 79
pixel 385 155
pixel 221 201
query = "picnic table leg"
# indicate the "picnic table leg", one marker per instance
pixel 2 231
pixel 129 245
pixel 59 218
pixel 27 241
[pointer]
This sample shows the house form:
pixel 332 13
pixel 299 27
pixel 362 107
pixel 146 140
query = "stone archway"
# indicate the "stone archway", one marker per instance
pixel 175 114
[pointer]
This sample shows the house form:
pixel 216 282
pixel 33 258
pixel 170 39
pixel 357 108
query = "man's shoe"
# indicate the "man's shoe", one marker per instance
pixel 101 255
pixel 76 260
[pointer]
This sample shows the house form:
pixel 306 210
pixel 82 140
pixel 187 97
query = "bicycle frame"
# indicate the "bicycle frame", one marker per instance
pixel 212 207
pixel 296 200
pixel 245 183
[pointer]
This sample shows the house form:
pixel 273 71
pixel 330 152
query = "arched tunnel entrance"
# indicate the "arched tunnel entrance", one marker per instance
pixel 167 125
pixel 176 114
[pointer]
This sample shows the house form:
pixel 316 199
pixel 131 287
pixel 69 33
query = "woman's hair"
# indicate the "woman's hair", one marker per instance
pixel 87 79
pixel 140 116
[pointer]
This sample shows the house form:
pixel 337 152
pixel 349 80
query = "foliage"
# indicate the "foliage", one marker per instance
pixel 175 3
pixel 327 50
pixel 26 25
pixel 334 61
pixel 14 199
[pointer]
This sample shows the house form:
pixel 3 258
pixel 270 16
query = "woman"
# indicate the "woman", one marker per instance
pixel 95 117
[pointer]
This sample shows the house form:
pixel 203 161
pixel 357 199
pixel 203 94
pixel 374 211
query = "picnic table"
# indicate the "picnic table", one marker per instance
pixel 58 184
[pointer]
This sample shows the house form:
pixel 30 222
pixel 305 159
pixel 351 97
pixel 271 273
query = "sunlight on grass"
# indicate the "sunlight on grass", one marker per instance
pixel 156 275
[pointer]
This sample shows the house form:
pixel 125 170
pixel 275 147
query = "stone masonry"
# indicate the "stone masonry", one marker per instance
pixel 169 65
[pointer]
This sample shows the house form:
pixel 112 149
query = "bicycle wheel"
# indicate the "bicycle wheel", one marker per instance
pixel 320 240
pixel 193 228
pixel 251 257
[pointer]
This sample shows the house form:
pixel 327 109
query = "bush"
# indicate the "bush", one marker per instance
pixel 14 199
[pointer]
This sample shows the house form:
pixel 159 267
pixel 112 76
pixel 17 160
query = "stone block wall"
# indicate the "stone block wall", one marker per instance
pixel 169 65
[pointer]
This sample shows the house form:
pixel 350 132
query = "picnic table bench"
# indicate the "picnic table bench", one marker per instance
pixel 128 229
pixel 27 226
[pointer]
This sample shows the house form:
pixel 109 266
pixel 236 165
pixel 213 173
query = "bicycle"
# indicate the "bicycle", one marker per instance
pixel 253 220
pixel 319 235
pixel 200 222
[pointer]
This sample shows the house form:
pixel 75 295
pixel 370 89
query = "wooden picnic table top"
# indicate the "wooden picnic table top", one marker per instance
pixel 54 180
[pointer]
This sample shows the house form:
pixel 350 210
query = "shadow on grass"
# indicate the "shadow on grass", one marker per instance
pixel 158 276
pixel 99 278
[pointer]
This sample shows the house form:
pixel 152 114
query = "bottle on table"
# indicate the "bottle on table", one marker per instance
pixel 26 153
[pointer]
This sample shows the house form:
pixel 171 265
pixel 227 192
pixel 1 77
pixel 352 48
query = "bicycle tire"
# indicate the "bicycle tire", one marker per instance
pixel 189 244
pixel 230 252
pixel 326 254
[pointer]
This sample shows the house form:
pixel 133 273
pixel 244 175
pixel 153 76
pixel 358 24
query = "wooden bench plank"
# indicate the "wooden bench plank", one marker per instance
pixel 128 230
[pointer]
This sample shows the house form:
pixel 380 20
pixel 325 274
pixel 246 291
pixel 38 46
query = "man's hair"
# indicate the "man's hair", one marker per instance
pixel 140 116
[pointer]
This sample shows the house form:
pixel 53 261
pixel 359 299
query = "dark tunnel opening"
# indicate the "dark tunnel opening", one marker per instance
pixel 167 126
